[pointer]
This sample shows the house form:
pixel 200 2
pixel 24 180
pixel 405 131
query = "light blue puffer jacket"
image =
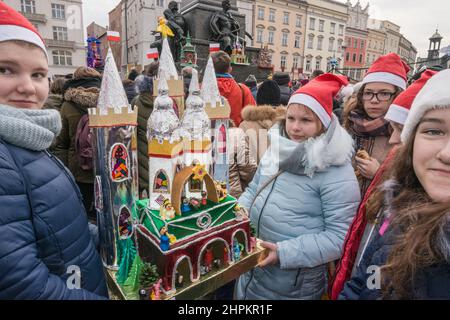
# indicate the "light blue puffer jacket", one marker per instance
pixel 306 211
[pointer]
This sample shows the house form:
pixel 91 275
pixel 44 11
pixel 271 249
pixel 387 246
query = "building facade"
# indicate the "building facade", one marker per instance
pixel 375 46
pixel 325 34
pixel 407 51
pixel 281 25
pixel 60 23
pixel 356 40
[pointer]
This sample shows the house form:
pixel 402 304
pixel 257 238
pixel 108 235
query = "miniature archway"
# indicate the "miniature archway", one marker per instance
pixel 182 178
pixel 161 182
pixel 220 249
pixel 182 266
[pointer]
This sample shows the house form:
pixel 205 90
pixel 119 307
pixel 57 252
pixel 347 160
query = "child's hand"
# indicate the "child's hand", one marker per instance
pixel 367 168
pixel 272 256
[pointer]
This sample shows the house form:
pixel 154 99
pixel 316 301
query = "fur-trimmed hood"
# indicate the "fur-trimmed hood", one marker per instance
pixel 82 97
pixel 264 115
pixel 332 148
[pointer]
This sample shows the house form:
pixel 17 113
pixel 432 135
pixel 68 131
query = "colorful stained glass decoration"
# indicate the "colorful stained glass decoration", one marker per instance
pixel 125 223
pixel 160 200
pixel 161 183
pixel 119 163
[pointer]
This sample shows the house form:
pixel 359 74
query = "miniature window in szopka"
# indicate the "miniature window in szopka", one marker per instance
pixel 125 223
pixel 119 163
pixel 161 182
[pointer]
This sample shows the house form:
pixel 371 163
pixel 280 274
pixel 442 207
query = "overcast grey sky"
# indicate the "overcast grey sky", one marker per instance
pixel 418 19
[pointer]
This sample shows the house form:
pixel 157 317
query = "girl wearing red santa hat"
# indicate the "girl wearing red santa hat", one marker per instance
pixel 46 247
pixel 411 244
pixel 295 199
pixel 358 234
pixel 384 80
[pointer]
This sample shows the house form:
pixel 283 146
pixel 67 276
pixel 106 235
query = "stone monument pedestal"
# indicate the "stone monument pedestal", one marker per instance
pixel 198 14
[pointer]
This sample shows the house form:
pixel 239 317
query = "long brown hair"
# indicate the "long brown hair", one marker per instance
pixel 418 223
pixel 358 105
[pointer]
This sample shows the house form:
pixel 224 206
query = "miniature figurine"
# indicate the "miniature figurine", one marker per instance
pixel 204 201
pixel 157 290
pixel 185 205
pixel 208 259
pixel 164 239
pixel 179 280
pixel 143 295
pixel 195 203
pixel 217 263
pixel 237 250
pixel 167 212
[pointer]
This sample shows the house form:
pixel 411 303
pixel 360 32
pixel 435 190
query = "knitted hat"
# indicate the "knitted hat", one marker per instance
pixel 318 95
pixel 389 69
pixel 399 109
pixel 282 78
pixel 434 95
pixel 268 93
pixel 14 26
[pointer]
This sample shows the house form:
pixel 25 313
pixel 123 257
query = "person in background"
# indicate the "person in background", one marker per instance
pixel 283 80
pixel 252 84
pixel 238 95
pixel 316 73
pixel 47 250
pixel 187 76
pixel 80 94
pixel 55 98
pixel 410 245
pixel 384 81
pixel 130 86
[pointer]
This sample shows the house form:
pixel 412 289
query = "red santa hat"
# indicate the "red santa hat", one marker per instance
pixel 318 95
pixel 14 26
pixel 434 95
pixel 399 109
pixel 388 69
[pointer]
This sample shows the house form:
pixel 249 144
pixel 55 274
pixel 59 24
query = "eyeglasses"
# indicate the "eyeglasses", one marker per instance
pixel 381 96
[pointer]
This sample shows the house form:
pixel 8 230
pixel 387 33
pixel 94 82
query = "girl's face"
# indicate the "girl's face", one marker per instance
pixel 377 97
pixel 396 133
pixel 23 76
pixel 431 154
pixel 302 123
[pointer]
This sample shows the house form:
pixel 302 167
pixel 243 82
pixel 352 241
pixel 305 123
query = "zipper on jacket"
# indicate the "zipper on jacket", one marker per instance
pixel 64 169
pixel 296 277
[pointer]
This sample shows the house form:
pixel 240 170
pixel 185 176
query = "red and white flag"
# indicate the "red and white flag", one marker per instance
pixel 214 47
pixel 113 36
pixel 153 53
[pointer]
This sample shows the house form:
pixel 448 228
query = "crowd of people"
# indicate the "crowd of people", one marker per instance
pixel 347 185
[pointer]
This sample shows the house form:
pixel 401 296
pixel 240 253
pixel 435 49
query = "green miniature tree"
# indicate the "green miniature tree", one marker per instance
pixel 127 252
pixel 149 275
pixel 133 279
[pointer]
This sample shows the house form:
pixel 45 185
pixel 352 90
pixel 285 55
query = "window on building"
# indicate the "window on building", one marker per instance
pixel 368 59
pixel 354 57
pixel 360 58
pixel 355 43
pixel 260 13
pixel 272 15
pixel 318 63
pixel 28 6
pixel 362 44
pixel 283 61
pixel 358 75
pixel 271 37
pixel 312 23
pixel 284 39
pixel 331 44
pixel 373 58
pixel 58 11
pixel 62 58
pixel 340 45
pixel 286 17
pixel 332 27
pixel 297 41
pixel 160 3
pixel 308 64
pixel 295 62
pixel 310 41
pixel 259 35
pixel 347 56
pixel 298 22
pixel 321 25
pixel 319 43
pixel 349 42
pixel 341 29
pixel 60 33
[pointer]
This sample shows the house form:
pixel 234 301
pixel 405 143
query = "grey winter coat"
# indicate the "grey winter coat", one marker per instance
pixel 306 211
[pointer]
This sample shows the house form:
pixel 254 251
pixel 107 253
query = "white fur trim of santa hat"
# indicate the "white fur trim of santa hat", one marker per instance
pixel 434 95
pixel 10 32
pixel 397 114
pixel 385 77
pixel 314 105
